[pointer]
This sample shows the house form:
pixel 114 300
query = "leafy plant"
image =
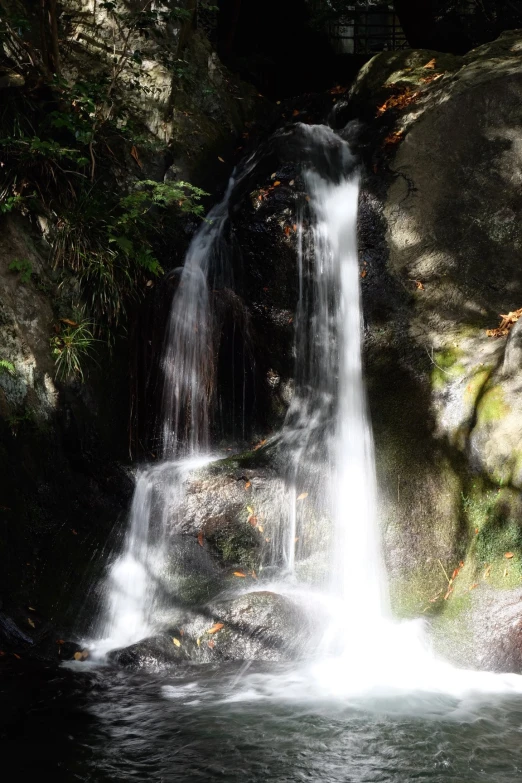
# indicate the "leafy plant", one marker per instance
pixel 24 267
pixel 70 349
pixel 7 367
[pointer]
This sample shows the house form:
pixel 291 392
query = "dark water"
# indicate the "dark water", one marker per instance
pixel 107 725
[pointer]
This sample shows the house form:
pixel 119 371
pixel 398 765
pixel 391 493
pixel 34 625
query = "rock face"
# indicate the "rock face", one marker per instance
pixel 442 239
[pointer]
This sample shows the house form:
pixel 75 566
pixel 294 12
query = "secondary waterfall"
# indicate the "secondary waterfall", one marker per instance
pixel 139 589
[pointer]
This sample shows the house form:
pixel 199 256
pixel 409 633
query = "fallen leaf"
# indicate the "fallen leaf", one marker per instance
pixel 430 65
pixel 399 100
pixel 277 183
pixel 476 531
pixel 211 644
pixel 31 622
pixel 134 154
pixel 68 322
pixel 505 572
pixel 508 555
pixel 433 78
pixel 78 656
pixel 200 538
pixel 198 642
pixel 487 572
pixel 474 586
pixel 448 593
pixel 176 641
pixel 364 273
pixel 253 520
pixel 250 509
pixel 215 628
pixel 394 138
pixel 74 532
pixel 16 656
pixel 506 324
pixel 60 641
pixel 419 285
pixel 239 573
pixel 221 159
pixel 267 540
pixel 302 496
pixel 461 564
pixel 258 445
pixel 31 608
pixel 248 484
pixel 295 113
pixel 292 182
pixel 260 528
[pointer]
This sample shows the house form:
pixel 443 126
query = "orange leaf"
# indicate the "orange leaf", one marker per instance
pixel 252 519
pixel 277 183
pixel 476 531
pixel 508 555
pixel 474 586
pixel 239 573
pixel 200 538
pixel 68 322
pixel 134 154
pixel 419 286
pixel 295 113
pixel 364 273
pixel 430 65
pixel 455 573
pixel 215 628
pixel 258 445
pixel 16 656
pixel 248 484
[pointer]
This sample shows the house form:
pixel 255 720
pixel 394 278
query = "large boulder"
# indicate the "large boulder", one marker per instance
pixel 441 239
pixel 260 625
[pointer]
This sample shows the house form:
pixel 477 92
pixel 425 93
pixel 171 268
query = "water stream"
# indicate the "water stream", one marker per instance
pixel 326 444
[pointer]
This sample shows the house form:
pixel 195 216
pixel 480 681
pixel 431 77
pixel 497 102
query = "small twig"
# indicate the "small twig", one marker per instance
pixel 444 570
pixel 432 360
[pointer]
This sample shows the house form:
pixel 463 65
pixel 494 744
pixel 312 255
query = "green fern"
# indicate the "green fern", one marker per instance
pixel 7 367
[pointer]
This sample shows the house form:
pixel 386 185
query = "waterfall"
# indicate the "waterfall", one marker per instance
pixel 137 593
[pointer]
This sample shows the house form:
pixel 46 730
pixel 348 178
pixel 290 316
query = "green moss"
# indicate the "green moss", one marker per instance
pixel 491 406
pixel 476 384
pixel 413 595
pixel 493 517
pixel 239 546
pixel 446 367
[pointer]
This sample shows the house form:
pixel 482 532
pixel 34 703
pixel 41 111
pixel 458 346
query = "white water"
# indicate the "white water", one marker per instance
pixel 137 586
pixel 328 444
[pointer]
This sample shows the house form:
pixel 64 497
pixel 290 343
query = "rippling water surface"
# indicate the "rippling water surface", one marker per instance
pixel 217 725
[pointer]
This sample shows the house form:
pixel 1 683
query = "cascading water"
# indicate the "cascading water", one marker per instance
pixel 326 445
pixel 138 592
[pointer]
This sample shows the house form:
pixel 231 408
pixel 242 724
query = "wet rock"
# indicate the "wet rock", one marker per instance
pixel 260 626
pixel 486 631
pixel 444 397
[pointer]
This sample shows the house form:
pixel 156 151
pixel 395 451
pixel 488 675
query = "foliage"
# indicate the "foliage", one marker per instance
pixel 24 267
pixel 66 151
pixel 6 366
pixel 70 348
